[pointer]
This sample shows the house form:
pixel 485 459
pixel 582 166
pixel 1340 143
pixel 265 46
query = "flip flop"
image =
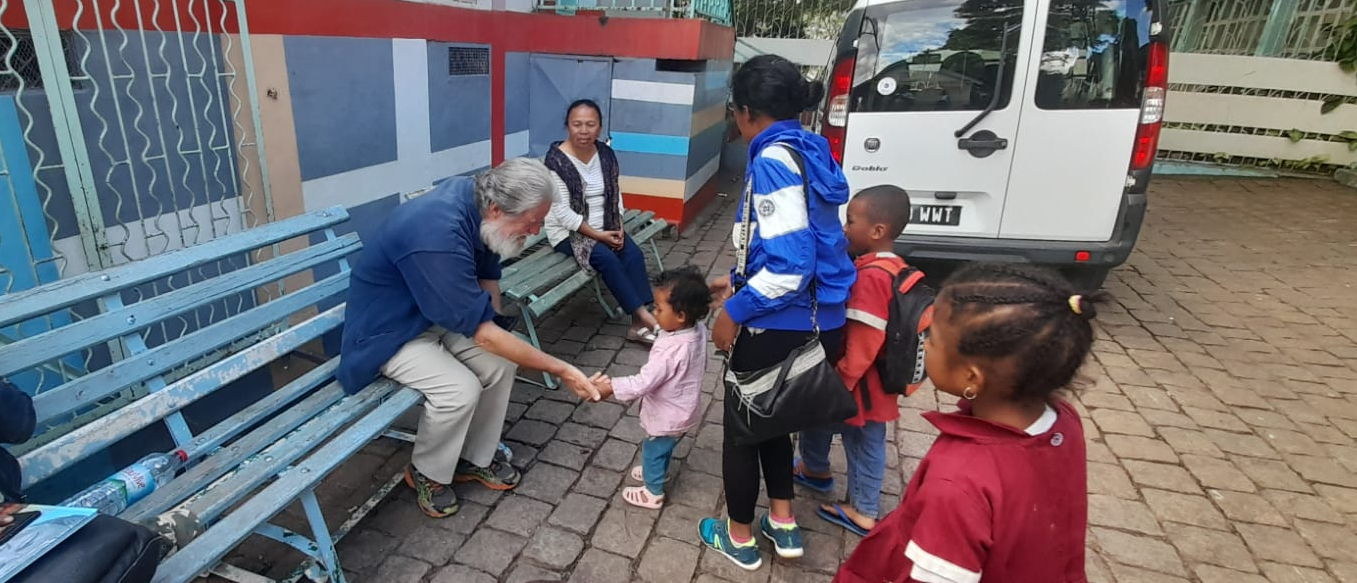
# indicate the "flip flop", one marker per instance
pixel 640 497
pixel 840 518
pixel 822 485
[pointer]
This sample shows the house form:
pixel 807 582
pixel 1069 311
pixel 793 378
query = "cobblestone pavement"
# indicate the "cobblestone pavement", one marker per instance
pixel 1221 417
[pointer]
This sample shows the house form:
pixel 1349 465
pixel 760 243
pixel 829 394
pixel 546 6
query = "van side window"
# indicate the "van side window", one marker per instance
pixel 1094 55
pixel 936 55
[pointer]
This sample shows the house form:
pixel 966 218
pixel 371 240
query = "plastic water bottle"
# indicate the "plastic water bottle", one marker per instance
pixel 115 493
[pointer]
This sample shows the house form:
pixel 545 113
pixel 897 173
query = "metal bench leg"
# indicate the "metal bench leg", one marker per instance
pixel 659 263
pixel 603 301
pixel 532 336
pixel 326 545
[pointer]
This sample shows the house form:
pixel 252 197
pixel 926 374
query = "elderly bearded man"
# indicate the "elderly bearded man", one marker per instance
pixel 422 301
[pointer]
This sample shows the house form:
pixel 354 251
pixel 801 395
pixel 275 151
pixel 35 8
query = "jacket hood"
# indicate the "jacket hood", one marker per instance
pixel 824 174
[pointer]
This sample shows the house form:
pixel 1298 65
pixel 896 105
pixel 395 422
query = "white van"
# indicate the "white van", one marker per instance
pixel 1023 130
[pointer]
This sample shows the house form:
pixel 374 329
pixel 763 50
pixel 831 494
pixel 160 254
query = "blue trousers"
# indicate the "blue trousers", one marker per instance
pixel 624 272
pixel 655 455
pixel 866 452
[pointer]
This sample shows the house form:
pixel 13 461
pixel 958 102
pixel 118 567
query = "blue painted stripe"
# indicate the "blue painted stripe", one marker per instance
pixel 644 165
pixel 645 117
pixel 704 147
pixel 516 96
pixel 650 143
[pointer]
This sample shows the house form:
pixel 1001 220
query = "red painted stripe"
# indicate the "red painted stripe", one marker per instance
pixel 655 38
pixel 211 16
pixel 669 209
pixel 496 105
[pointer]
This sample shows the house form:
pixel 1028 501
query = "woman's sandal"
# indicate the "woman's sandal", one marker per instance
pixel 642 336
pixel 641 497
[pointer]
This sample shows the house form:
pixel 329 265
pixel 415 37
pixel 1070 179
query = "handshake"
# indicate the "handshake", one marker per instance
pixel 595 388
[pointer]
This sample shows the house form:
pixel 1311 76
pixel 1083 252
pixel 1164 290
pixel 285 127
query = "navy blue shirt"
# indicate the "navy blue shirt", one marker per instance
pixel 422 268
pixel 17 422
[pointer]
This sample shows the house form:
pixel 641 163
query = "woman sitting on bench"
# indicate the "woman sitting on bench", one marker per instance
pixel 588 211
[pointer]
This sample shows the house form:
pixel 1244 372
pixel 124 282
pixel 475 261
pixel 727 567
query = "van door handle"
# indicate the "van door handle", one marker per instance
pixel 982 143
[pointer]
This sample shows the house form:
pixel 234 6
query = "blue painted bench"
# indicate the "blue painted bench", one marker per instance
pixel 244 469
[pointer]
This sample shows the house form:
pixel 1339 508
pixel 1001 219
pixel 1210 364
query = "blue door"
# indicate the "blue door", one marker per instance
pixel 555 82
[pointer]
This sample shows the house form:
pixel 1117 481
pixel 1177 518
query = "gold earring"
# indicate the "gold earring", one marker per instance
pixel 969 393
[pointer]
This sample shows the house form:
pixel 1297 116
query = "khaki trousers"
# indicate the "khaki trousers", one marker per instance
pixel 466 397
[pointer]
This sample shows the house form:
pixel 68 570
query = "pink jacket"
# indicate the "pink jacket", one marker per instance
pixel 670 383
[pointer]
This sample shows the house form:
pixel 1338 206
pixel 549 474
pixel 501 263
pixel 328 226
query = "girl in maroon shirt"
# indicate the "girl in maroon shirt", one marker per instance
pixel 1002 495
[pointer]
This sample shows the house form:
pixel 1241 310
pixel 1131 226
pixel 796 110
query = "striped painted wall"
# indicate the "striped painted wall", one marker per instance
pixel 668 129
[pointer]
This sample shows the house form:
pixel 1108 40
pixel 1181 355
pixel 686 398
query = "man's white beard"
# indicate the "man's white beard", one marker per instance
pixel 494 237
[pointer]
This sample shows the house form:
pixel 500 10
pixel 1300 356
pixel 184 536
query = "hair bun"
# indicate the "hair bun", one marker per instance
pixel 815 93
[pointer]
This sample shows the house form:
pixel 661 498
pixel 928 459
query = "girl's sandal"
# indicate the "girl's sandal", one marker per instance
pixel 640 497
pixel 642 336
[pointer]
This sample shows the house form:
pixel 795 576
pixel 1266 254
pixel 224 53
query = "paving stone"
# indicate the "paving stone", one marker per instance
pixel 701 491
pixel 1165 476
pixel 1124 514
pixel 1213 574
pixel 668 560
pixel 582 435
pixel 679 522
pixel 398 569
pixel 1141 448
pixel 598 482
pixel 1240 444
pixel 1322 470
pixel 597 566
pixel 459 574
pixel 475 493
pixel 578 513
pixel 1344 499
pixel 792 573
pixel 519 515
pixel 1279 573
pixel 547 483
pixel 553 412
pixel 1331 541
pixel 1187 441
pixel 1346 572
pixel 602 415
pixel 1216 419
pixel 525 573
pixel 1271 474
pixel 595 358
pixel 365 548
pixel 1278 544
pixel 1203 545
pixel 431 544
pixel 628 429
pixel 1138 551
pixel 554 548
pixel 720 569
pixel 1125 574
pixel 624 530
pixel 490 550
pixel 399 517
pixel 1184 508
pixel 707 461
pixel 535 433
pixel 615 455
pixel 1217 473
pixel 1251 508
pixel 565 454
pixel 1115 421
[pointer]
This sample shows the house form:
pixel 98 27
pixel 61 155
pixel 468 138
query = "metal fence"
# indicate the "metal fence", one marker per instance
pixel 717 11
pixel 1293 29
pixel 127 130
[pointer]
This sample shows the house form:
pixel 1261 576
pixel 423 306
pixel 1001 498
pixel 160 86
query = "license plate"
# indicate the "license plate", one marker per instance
pixel 935 214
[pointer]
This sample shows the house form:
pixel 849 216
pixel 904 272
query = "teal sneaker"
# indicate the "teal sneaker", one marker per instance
pixel 716 535
pixel 786 539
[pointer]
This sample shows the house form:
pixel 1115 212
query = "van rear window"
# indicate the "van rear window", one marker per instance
pixel 936 55
pixel 1094 54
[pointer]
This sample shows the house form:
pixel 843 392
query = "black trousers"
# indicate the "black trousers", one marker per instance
pixel 741 464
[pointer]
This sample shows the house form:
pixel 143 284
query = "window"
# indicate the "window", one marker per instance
pixel 1094 55
pixel 21 67
pixel 937 55
pixel 464 61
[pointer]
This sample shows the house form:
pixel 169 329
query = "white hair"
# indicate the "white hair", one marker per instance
pixel 516 186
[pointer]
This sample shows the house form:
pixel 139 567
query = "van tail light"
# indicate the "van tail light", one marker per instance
pixel 835 128
pixel 1152 107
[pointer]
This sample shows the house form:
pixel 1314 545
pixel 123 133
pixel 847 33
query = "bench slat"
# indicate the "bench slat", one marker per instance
pixel 533 273
pixel 64 293
pixel 65 340
pixel 546 274
pixel 214 544
pixel 650 231
pixel 281 452
pixel 53 457
pixel 101 383
pixel 220 462
pixel 540 304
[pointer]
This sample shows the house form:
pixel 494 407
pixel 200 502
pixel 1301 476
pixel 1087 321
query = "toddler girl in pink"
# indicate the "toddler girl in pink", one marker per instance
pixel 670 384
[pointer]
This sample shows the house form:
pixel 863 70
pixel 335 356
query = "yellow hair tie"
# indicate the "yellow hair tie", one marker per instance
pixel 1076 304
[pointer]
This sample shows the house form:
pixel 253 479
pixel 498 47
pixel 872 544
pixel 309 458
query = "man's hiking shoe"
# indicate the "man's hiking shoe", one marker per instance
pixel 436 500
pixel 715 533
pixel 786 539
pixel 498 476
pixel 503 454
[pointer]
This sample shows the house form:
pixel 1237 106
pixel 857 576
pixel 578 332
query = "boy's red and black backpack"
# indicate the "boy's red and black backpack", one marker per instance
pixel 901 361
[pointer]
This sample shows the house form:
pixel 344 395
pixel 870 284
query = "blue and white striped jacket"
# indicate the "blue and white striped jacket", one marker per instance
pixel 797 235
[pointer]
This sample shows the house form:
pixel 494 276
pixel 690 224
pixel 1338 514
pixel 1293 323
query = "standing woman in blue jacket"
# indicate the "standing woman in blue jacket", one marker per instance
pixel 797 242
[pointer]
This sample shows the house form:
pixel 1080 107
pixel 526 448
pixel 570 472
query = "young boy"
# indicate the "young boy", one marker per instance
pixel 876 217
